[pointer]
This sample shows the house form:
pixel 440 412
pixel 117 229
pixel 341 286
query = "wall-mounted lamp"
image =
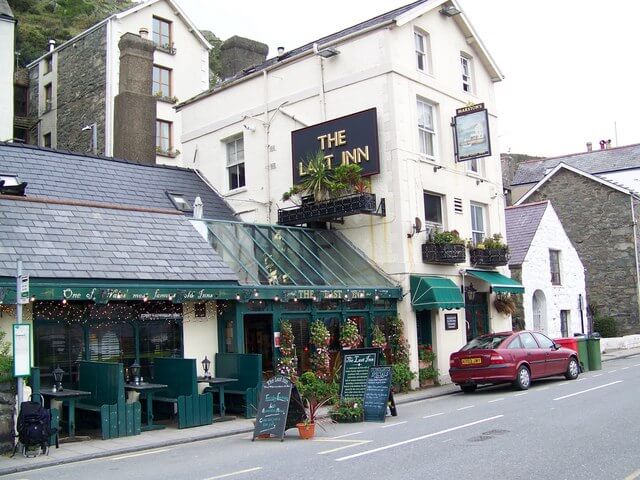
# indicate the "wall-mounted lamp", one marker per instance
pixel 436 168
pixel 251 128
pixel 470 292
pixel 94 137
pixel 449 11
pixel 328 52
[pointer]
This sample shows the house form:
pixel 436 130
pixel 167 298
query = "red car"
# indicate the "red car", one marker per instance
pixel 516 357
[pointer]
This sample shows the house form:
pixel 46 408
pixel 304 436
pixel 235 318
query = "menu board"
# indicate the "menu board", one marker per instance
pixel 355 370
pixel 376 394
pixel 273 407
pixel 21 349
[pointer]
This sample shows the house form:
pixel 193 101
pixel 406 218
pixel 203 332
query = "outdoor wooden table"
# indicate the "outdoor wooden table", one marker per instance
pixel 147 390
pixel 218 383
pixel 69 396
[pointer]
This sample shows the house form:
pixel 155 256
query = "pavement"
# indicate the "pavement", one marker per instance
pixel 90 449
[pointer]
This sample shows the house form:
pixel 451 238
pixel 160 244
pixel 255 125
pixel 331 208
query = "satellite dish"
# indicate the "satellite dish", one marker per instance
pixel 418 225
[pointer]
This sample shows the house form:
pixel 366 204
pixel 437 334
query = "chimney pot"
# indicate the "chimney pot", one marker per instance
pixel 280 50
pixel 608 144
pixel 52 45
pixel 603 144
pixel 589 147
pixel 144 32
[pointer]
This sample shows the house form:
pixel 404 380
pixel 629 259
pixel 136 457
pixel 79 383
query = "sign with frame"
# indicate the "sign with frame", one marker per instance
pixel 451 321
pixel 471 133
pixel 344 140
pixel 21 349
pixel 23 295
pixel 355 371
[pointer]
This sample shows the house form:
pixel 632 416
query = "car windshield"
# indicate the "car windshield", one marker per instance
pixel 485 342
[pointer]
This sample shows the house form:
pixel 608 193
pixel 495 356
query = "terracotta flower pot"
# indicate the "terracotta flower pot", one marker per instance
pixel 306 430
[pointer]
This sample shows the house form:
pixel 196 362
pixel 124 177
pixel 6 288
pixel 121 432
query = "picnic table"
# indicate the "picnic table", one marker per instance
pixel 218 383
pixel 147 390
pixel 69 397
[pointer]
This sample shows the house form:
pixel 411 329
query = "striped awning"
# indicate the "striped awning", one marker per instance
pixel 428 292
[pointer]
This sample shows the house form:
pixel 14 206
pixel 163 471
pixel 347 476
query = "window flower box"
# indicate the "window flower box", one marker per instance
pixel 331 209
pixel 489 257
pixel 443 253
pixel 171 153
pixel 167 48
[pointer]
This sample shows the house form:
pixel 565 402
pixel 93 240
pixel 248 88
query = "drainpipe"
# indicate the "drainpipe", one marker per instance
pixel 267 127
pixel 323 103
pixel 635 251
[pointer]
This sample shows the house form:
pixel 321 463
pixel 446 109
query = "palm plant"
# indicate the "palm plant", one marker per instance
pixel 318 180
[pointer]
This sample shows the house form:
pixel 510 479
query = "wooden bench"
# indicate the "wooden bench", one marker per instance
pixel 241 396
pixel 180 376
pixel 105 381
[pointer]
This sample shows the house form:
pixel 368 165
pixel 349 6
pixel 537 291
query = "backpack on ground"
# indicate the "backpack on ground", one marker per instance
pixel 34 428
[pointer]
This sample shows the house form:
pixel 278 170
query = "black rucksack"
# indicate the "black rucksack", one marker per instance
pixel 34 426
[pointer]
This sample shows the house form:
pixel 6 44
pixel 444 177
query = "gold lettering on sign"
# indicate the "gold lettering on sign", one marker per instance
pixel 356 155
pixel 330 140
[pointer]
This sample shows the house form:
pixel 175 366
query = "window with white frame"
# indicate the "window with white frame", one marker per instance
pixel 433 210
pixel 473 165
pixel 161 81
pixel 235 162
pixel 467 73
pixel 554 263
pixel 163 136
pixel 422 45
pixel 477 223
pixel 426 128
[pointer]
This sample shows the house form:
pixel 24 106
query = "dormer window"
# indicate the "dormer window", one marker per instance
pixel 10 185
pixel 180 202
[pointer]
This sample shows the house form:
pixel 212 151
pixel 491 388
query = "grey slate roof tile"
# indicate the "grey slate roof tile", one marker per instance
pixel 74 176
pixel 522 223
pixel 101 256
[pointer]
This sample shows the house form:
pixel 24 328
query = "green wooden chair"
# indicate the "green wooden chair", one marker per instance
pixel 242 395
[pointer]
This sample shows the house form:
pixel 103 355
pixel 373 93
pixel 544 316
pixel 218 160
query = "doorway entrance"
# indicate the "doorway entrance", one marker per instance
pixel 423 319
pixel 258 337
pixel 476 312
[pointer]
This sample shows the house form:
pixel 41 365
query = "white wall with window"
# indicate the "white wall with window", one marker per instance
pixel 466 70
pixel 478 223
pixel 423 51
pixel 235 163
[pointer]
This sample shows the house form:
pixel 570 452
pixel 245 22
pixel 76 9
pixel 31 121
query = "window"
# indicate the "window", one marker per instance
pixel 161 32
pixel 544 341
pixel 48 97
pixel 554 262
pixel 180 202
pixel 422 51
pixel 465 63
pixel 20 135
pixel 473 165
pixel 235 163
pixel 564 323
pixel 515 344
pixel 433 209
pixel 477 223
pixel 163 136
pixel 528 341
pixel 46 140
pixel 8 180
pixel 48 64
pixel 426 129
pixel 161 81
pixel 21 101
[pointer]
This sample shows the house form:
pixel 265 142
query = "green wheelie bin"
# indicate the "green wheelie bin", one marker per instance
pixel 595 357
pixel 583 353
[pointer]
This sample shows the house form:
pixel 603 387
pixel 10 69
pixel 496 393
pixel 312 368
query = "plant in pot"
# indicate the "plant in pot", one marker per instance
pixel 347 410
pixel 314 393
pixel 504 303
pixel 288 363
pixel 349 335
pixel 320 358
pixel 428 376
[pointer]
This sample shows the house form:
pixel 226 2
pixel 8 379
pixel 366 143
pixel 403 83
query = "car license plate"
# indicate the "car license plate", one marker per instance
pixel 471 361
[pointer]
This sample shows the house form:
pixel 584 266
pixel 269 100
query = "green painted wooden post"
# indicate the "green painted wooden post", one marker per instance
pixel 238 329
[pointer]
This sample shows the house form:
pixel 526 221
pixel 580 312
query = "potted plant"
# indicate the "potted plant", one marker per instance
pixel 349 335
pixel 504 303
pixel 288 363
pixel 492 251
pixel 320 359
pixel 347 410
pixel 378 339
pixel 444 247
pixel 428 376
pixel 314 393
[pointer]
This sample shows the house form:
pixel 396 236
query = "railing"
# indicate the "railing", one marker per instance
pixel 332 209
pixel 445 253
pixel 490 257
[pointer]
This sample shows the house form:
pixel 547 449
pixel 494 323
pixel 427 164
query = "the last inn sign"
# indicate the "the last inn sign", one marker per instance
pixel 349 139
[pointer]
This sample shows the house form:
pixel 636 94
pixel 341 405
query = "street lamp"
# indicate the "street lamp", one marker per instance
pixel 58 373
pixel 135 372
pixel 471 292
pixel 206 363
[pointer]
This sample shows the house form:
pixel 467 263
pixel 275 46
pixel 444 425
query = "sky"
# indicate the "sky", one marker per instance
pixel 570 66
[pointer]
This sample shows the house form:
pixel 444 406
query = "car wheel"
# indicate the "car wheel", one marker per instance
pixel 523 378
pixel 573 369
pixel 468 388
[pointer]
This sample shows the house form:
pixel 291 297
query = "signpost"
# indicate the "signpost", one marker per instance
pixel 377 394
pixel 23 283
pixel 355 370
pixel 273 408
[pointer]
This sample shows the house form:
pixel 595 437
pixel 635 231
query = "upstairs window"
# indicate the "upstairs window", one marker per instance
pixel 163 136
pixel 21 101
pixel 554 263
pixel 477 223
pixel 467 72
pixel 426 129
pixel 46 140
pixel 422 50
pixel 48 97
pixel 235 163
pixel 162 32
pixel 161 81
pixel 433 210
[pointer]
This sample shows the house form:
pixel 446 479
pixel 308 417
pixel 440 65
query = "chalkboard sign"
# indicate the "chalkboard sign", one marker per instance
pixel 355 370
pixel 273 407
pixel 377 393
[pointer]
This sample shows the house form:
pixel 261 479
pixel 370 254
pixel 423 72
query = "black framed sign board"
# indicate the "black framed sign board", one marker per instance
pixel 355 371
pixel 450 321
pixel 377 394
pixel 273 408
pixel 471 132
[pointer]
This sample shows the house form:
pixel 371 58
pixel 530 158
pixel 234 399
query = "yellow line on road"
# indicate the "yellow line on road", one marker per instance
pixel 239 472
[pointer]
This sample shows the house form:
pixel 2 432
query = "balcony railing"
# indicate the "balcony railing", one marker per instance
pixel 332 209
pixel 443 253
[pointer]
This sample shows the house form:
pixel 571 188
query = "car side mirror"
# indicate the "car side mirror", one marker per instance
pixel 555 346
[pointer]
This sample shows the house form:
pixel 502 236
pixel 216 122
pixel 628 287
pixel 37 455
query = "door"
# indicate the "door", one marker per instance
pixel 423 319
pixel 555 361
pixel 535 356
pixel 476 314
pixel 258 338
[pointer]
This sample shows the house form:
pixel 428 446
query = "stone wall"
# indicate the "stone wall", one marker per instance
pixel 7 409
pixel 34 83
pixel 81 91
pixel 598 221
pixel 238 53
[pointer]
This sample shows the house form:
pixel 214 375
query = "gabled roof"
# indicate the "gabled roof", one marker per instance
pixel 5 10
pixel 72 176
pixel 399 16
pixel 522 224
pixel 560 166
pixel 595 162
pixel 179 12
pixel 72 241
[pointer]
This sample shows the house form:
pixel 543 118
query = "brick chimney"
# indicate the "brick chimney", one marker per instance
pixel 134 136
pixel 238 53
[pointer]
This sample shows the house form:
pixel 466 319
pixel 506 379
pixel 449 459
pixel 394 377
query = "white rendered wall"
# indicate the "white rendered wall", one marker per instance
pixel 6 78
pixel 200 335
pixel 48 120
pixel 536 276
pixel 373 70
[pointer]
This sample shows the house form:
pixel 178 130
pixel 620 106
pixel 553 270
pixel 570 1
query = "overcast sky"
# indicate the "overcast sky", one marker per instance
pixel 571 69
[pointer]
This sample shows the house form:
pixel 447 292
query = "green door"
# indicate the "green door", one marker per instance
pixel 476 314
pixel 423 319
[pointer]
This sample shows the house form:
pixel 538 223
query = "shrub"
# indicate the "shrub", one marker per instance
pixel 315 393
pixel 401 377
pixel 429 373
pixel 288 363
pixel 349 335
pixel 446 237
pixel 320 359
pixel 378 340
pixel 6 360
pixel 347 410
pixel 605 326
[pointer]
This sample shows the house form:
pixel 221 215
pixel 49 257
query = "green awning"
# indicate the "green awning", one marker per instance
pixel 499 283
pixel 434 292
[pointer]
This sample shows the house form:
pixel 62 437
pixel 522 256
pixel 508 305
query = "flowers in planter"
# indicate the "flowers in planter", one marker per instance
pixel 378 340
pixel 288 362
pixel 315 393
pixel 491 243
pixel 320 359
pixel 401 373
pixel 505 303
pixel 349 335
pixel 446 237
pixel 428 375
pixel 347 410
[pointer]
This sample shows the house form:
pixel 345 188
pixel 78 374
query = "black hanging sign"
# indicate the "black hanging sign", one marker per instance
pixel 377 394
pixel 273 408
pixel 471 132
pixel 450 321
pixel 355 370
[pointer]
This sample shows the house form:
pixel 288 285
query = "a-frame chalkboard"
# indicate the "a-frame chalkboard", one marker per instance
pixel 377 394
pixel 273 408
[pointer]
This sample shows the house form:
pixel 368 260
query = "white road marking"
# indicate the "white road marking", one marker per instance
pixel 633 476
pixel 541 389
pixel 347 435
pixel 520 394
pixel 588 390
pixel 624 368
pixel 447 440
pixel 394 424
pixel 433 415
pixel 337 440
pixel 416 439
pixel 496 400
pixel 598 375
pixel 636 364
pixel 354 443
pixel 580 379
pixel 464 408
pixel 248 470
pixel 139 454
pixel 614 370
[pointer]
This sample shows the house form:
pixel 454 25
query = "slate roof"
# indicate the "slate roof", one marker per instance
pixel 5 10
pixel 73 176
pixel 72 241
pixel 522 224
pixel 595 162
